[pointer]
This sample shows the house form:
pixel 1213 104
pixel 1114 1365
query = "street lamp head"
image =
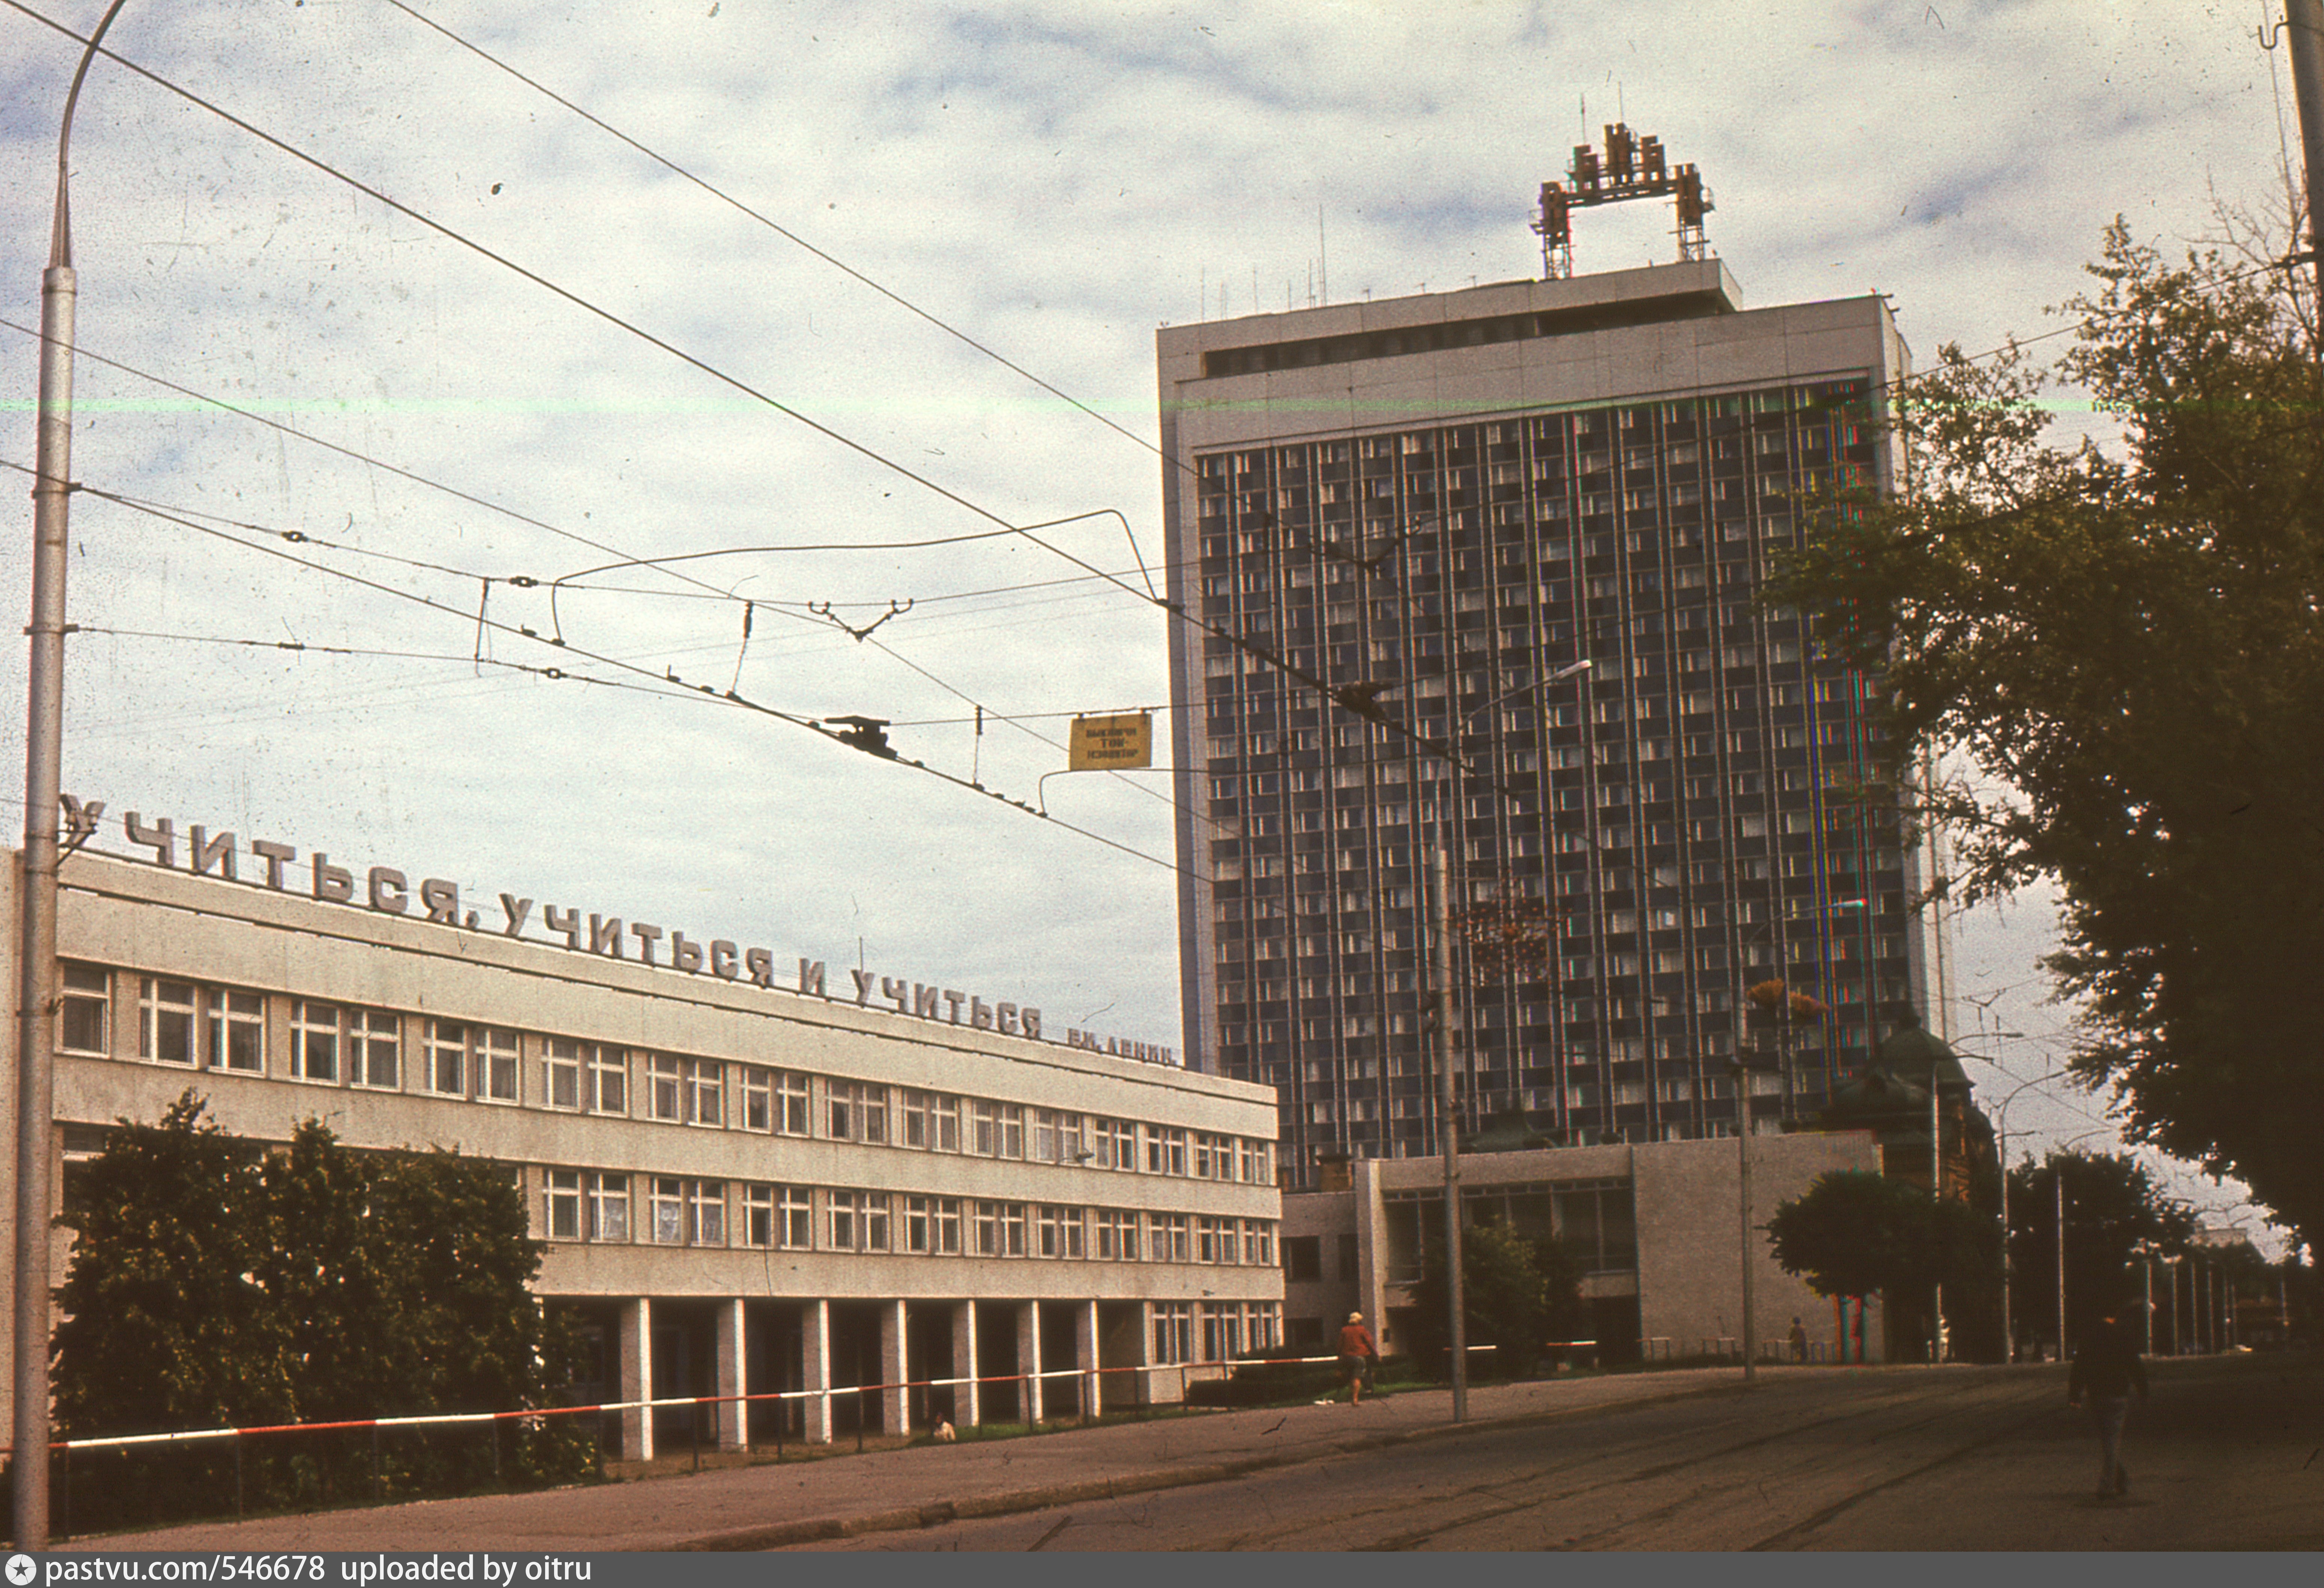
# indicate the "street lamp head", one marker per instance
pixel 1571 670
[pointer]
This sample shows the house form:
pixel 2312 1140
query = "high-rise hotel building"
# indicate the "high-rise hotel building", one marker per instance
pixel 1430 507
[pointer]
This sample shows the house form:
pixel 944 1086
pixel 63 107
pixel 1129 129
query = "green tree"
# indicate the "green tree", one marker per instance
pixel 2112 1204
pixel 2130 648
pixel 1516 1293
pixel 212 1285
pixel 1857 1233
pixel 164 1324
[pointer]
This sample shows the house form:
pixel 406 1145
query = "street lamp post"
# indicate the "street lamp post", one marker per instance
pixel 1741 1068
pixel 36 1000
pixel 2001 1112
pixel 1448 1124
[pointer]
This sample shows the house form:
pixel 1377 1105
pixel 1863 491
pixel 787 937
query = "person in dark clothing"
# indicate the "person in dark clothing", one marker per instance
pixel 2107 1368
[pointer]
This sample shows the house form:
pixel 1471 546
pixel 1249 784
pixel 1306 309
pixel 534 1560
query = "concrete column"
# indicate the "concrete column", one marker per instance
pixel 964 1363
pixel 895 1407
pixel 1029 1357
pixel 635 1350
pixel 1145 1376
pixel 733 1351
pixel 1085 1358
pixel 815 1365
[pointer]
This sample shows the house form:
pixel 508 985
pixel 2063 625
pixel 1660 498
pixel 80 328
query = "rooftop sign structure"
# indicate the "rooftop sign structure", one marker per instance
pixel 1632 167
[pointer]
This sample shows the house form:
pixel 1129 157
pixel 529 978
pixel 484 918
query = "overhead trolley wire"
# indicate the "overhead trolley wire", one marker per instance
pixel 787 234
pixel 674 687
pixel 1351 698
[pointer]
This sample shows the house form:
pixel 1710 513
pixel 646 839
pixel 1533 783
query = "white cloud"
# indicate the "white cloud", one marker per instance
pixel 1057 180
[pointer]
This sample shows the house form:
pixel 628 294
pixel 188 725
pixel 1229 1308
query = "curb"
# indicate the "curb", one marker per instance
pixel 821 1529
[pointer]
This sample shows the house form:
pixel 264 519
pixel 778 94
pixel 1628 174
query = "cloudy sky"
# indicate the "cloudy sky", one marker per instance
pixel 451 398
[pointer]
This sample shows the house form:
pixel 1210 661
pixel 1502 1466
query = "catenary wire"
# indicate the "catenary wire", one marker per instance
pixel 789 235
pixel 700 691
pixel 1264 653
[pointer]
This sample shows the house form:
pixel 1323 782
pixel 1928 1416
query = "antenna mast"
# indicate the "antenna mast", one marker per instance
pixel 1632 167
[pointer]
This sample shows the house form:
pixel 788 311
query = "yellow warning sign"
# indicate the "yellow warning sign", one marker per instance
pixel 1107 743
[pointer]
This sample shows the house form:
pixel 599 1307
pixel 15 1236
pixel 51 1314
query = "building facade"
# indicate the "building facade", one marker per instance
pixel 1395 524
pixel 742 1188
pixel 1654 1226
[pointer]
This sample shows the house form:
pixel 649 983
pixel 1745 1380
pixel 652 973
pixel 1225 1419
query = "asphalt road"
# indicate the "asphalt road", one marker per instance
pixel 2226 1457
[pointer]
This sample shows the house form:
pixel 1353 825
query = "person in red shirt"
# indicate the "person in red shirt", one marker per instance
pixel 1357 1354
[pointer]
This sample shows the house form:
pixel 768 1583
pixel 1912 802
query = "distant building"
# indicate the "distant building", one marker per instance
pixel 1402 519
pixel 740 1189
pixel 1656 1226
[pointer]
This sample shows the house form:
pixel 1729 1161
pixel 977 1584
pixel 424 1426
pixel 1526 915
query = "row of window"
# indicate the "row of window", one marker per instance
pixel 671 1210
pixel 188 1024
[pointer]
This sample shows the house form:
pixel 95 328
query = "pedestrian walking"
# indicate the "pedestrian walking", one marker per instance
pixel 1798 1341
pixel 2107 1368
pixel 1356 1355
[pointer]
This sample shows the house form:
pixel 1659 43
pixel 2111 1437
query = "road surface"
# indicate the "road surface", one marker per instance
pixel 2226 1457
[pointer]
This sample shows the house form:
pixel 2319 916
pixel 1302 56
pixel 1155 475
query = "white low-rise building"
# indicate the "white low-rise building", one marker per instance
pixel 742 1187
pixel 1658 1228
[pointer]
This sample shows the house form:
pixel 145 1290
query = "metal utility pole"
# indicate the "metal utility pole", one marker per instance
pixel 1743 1183
pixel 2146 1263
pixel 2304 32
pixel 1936 1195
pixel 2058 1174
pixel 1448 1122
pixel 36 940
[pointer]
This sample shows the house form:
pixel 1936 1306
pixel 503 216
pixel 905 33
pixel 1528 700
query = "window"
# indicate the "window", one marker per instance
pixel 1012 1229
pixel 313 1041
pixel 1205 1159
pixel 560 1073
pixel 931 1121
pixel 705 1212
pixel 1116 1143
pixel 791 1105
pixel 999 1128
pixel 238 1039
pixel 688 1091
pixel 946 1222
pixel 1206 1238
pixel 1059 1232
pixel 496 1056
pixel 1166 1150
pixel 444 1058
pixel 1258 1243
pixel 666 1211
pixel 1117 1234
pixel 988 1229
pixel 561 1204
pixel 686 1212
pixel 840 1209
pixel 758 1215
pixel 1171 1241
pixel 87 993
pixel 605 1078
pixel 1174 1332
pixel 795 1225
pixel 608 1207
pixel 758 1086
pixel 858 1110
pixel 165 1020
pixel 372 1049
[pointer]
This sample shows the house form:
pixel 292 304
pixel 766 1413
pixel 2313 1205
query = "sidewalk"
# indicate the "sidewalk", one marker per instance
pixel 764 1506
